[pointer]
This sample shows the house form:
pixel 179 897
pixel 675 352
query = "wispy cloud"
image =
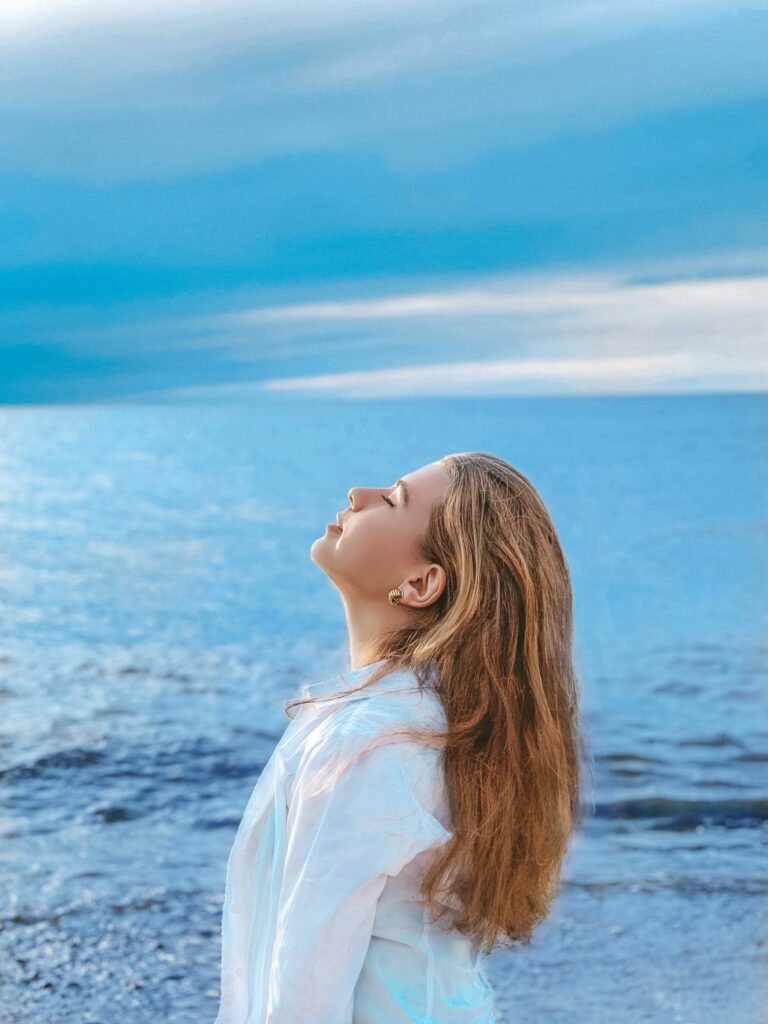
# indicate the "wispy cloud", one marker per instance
pixel 596 295
pixel 675 372
pixel 516 334
pixel 203 194
pixel 112 92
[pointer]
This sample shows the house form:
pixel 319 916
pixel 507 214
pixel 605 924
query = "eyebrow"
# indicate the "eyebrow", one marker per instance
pixel 401 483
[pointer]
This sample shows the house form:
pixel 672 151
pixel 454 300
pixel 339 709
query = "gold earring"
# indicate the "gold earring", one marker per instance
pixel 394 595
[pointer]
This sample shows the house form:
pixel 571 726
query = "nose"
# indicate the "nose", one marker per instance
pixel 356 497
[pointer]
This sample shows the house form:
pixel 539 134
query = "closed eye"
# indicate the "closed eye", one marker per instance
pixel 390 503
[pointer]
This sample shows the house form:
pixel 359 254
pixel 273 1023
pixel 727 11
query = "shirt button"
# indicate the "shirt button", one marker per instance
pixel 235 908
pixel 239 972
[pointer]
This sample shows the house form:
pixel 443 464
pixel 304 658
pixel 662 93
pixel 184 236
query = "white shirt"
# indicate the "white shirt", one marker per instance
pixel 323 922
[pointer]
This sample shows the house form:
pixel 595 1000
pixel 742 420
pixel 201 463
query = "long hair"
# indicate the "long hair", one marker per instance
pixel 497 647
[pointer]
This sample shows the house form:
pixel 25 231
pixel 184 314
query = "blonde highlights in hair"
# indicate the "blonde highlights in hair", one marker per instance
pixel 497 647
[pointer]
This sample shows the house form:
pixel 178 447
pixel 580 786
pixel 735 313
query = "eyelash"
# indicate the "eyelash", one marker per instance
pixel 390 503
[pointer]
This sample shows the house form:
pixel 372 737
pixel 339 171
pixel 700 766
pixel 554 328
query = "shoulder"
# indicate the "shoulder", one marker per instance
pixel 408 704
pixel 382 719
pixel 341 730
pixel 399 703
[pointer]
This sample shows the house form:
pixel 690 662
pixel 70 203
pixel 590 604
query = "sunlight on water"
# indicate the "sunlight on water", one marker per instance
pixel 159 606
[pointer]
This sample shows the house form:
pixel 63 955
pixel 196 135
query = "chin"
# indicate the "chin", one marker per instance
pixel 316 548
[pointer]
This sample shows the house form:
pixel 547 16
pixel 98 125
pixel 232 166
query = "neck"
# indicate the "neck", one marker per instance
pixel 366 625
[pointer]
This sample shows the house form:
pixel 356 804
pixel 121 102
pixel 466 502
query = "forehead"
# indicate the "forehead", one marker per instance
pixel 427 483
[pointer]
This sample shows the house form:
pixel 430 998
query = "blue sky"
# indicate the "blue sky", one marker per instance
pixel 223 199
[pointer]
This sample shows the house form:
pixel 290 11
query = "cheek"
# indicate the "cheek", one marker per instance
pixel 375 543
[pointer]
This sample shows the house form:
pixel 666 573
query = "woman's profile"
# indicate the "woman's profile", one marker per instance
pixel 416 812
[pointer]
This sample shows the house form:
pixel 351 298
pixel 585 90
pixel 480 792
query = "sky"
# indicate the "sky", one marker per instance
pixel 224 200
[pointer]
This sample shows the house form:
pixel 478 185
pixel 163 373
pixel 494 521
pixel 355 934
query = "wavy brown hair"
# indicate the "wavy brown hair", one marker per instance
pixel 497 647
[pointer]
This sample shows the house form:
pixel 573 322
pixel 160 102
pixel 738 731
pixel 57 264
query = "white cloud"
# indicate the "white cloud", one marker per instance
pixel 27 20
pixel 497 376
pixel 513 334
pixel 675 372
pixel 114 92
pixel 566 294
pixel 596 312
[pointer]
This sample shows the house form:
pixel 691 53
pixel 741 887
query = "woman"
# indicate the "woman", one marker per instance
pixel 416 812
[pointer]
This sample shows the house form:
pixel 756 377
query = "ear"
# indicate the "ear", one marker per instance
pixel 423 590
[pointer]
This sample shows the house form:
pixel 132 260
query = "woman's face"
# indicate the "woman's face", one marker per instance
pixel 376 549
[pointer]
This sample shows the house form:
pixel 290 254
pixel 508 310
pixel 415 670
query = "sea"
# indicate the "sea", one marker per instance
pixel 158 607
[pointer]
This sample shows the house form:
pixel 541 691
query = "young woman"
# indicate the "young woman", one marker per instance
pixel 416 811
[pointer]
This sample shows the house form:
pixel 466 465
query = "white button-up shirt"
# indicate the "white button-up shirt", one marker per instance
pixel 323 922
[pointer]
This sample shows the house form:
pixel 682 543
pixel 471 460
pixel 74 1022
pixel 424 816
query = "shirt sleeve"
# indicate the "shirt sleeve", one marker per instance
pixel 349 827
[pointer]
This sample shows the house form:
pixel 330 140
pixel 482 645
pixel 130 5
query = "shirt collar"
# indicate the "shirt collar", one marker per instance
pixel 397 680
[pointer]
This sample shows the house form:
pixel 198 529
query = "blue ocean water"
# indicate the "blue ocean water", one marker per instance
pixel 159 606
